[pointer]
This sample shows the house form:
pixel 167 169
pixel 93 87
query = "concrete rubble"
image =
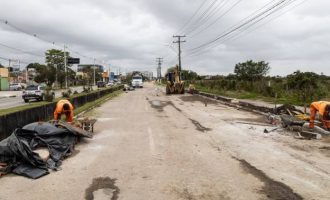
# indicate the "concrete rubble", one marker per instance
pixel 283 116
pixel 34 149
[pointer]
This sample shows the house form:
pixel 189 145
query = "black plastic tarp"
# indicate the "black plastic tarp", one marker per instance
pixel 17 149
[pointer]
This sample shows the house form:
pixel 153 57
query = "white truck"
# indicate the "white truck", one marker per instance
pixel 137 81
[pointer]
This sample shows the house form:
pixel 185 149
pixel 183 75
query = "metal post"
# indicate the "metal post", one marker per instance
pixel 179 41
pixel 94 72
pixel 26 75
pixel 66 73
pixel 56 81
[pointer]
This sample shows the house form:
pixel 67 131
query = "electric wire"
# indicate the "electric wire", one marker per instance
pixel 239 26
pixel 189 20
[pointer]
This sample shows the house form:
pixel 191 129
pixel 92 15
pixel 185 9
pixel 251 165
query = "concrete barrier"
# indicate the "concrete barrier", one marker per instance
pixel 239 104
pixel 9 122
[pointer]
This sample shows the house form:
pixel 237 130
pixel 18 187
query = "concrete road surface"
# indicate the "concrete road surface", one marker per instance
pixel 151 146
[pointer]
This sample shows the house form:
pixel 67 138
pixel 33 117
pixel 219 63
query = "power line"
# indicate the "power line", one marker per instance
pixel 201 17
pixel 239 26
pixel 195 13
pixel 209 16
pixel 6 22
pixel 20 50
pixel 8 59
pixel 269 20
pixel 287 3
pixel 217 19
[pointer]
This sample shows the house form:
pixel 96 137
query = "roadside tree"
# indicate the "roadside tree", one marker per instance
pixel 251 71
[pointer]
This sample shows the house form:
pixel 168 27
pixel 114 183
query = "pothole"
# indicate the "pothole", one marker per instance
pixel 102 188
pixel 199 127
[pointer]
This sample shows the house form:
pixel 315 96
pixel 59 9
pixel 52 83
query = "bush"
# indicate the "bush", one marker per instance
pixel 49 96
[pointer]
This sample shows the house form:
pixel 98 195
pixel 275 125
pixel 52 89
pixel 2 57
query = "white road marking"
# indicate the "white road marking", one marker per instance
pixel 146 107
pixel 151 141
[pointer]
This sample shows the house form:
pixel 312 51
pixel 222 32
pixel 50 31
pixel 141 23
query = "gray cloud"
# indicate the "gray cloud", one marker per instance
pixel 131 34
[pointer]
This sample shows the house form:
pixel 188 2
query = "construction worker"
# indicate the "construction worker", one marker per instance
pixel 323 107
pixel 64 107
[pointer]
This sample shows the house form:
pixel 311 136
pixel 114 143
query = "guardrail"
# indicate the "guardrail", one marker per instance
pixel 9 122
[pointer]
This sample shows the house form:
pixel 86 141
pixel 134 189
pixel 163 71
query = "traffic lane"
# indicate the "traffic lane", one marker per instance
pixel 143 148
pixel 11 102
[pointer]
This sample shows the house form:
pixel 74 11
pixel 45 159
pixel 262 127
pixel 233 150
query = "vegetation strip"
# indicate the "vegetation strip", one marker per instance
pixel 43 103
pixel 98 102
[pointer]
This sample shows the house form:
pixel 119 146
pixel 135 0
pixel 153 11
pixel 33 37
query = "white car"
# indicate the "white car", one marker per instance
pixel 137 81
pixel 36 92
pixel 15 86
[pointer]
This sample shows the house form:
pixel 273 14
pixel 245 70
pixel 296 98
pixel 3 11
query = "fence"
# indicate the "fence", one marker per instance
pixel 9 122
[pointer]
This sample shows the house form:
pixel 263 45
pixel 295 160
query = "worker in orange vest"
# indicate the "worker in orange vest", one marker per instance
pixel 323 107
pixel 64 107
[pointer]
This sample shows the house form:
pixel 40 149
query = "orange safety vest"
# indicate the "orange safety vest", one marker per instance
pixel 59 110
pixel 321 107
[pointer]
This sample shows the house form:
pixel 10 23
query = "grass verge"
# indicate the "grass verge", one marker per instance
pixel 98 102
pixel 253 96
pixel 42 103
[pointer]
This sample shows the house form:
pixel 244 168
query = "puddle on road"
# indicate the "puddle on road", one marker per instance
pixel 272 189
pixel 159 105
pixel 199 127
pixel 195 98
pixel 102 187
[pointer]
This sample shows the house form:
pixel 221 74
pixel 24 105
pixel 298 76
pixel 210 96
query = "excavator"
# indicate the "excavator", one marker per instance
pixel 174 84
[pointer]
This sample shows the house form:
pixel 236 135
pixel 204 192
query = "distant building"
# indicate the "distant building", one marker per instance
pixel 147 74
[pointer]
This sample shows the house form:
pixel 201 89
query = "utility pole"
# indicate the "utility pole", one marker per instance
pixel 179 41
pixel 94 71
pixel 159 68
pixel 56 80
pixel 65 69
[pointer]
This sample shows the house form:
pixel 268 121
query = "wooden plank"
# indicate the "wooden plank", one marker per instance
pixel 76 130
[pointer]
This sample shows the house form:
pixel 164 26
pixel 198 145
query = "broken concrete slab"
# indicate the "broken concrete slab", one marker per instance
pixel 43 153
pixel 311 135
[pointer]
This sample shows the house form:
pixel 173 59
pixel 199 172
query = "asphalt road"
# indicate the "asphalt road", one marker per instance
pixel 182 147
pixel 10 102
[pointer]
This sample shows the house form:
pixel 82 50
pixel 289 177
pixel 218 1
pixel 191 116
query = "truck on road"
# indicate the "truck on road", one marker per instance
pixel 137 81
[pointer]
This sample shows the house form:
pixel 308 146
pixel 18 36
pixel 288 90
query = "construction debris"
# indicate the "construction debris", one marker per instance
pixel 87 124
pixel 311 135
pixel 34 149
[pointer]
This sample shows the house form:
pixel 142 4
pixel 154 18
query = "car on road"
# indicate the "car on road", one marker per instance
pixel 15 86
pixel 100 84
pixel 110 83
pixel 35 92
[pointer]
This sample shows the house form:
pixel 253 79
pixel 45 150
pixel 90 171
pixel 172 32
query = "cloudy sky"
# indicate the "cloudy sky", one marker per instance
pixel 130 34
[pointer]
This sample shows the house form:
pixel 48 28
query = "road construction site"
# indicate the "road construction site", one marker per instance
pixel 148 145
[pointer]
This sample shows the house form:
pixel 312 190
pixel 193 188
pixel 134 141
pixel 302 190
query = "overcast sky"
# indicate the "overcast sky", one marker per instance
pixel 130 34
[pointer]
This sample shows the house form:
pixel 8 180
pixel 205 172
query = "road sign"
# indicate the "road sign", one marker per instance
pixel 73 60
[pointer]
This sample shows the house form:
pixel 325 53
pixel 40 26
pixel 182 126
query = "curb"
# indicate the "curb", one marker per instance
pixel 239 104
pixel 9 96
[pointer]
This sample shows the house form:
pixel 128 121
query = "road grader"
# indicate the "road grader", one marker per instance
pixel 175 84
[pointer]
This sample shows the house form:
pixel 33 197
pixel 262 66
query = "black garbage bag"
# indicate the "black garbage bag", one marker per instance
pixel 17 149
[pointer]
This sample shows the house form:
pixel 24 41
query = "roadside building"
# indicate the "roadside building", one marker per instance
pixel 4 79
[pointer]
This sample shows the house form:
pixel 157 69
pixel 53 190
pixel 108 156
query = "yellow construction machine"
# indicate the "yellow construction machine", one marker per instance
pixel 174 83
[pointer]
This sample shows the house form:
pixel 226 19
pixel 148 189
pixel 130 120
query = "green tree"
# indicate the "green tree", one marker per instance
pixel 44 73
pixel 251 71
pixel 305 84
pixel 55 63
